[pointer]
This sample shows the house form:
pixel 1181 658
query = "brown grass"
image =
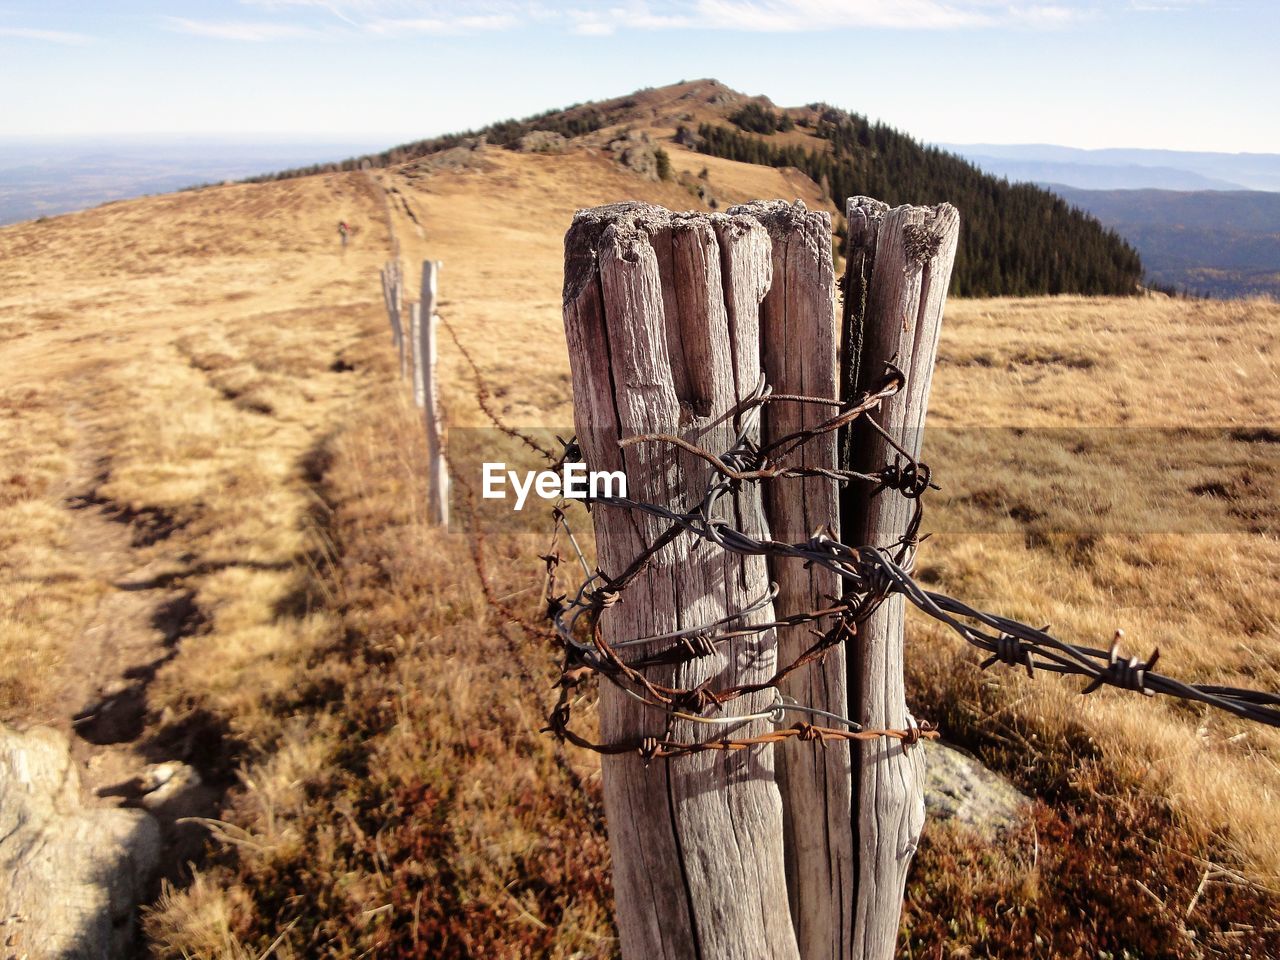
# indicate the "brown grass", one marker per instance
pixel 412 808
pixel 1209 601
pixel 380 719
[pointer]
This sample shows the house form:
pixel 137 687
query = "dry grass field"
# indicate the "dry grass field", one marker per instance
pixel 213 548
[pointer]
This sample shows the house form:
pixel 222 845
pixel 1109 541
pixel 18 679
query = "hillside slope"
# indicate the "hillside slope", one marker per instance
pixel 43 176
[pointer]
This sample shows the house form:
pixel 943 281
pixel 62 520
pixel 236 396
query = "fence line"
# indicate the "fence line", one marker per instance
pixel 416 349
pixel 872 573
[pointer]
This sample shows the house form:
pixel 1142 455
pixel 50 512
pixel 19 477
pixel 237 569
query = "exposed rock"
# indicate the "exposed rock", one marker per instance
pixel 958 787
pixel 543 141
pixel 73 874
pixel 175 793
pixel 170 790
pixel 687 138
pixel 636 152
pixel 173 788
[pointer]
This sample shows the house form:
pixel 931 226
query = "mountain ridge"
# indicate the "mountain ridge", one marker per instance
pixel 1015 239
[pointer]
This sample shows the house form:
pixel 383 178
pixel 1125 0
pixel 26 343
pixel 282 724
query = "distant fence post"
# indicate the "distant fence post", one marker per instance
pixel 898 269
pixel 427 393
pixel 393 296
pixel 661 315
pixel 388 300
pixel 799 353
pixel 415 343
pixel 402 341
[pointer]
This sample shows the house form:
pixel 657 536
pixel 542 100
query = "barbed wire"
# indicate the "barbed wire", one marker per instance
pixel 870 574
pixel 484 396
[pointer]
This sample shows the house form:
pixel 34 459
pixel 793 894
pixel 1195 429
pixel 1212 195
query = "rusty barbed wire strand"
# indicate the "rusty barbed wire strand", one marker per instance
pixel 744 462
pixel 872 573
pixel 485 398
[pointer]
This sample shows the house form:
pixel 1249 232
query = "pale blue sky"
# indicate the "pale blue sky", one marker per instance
pixel 1178 74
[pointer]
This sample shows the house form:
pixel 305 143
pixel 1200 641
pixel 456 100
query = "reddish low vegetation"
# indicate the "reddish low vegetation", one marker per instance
pixel 441 823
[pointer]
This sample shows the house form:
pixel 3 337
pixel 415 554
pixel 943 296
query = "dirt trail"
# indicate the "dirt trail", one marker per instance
pixel 156 470
pixel 132 626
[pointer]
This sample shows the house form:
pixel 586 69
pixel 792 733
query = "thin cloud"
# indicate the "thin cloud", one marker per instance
pixel 48 36
pixel 392 18
pixel 244 31
pixel 1164 6
pixel 442 26
pixel 764 16
pixel 788 16
pixel 637 16
pixel 783 17
pixel 793 16
pixel 335 8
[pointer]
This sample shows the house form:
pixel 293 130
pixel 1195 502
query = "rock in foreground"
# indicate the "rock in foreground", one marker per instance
pixel 960 789
pixel 72 874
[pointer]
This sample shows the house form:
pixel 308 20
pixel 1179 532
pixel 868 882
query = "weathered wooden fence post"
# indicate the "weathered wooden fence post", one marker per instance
pixel 670 319
pixel 798 335
pixel 661 315
pixel 427 392
pixel 403 341
pixel 899 267
pixel 388 301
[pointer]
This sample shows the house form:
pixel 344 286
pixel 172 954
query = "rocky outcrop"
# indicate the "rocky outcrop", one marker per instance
pixel 470 154
pixel 959 788
pixel 71 875
pixel 543 141
pixel 636 152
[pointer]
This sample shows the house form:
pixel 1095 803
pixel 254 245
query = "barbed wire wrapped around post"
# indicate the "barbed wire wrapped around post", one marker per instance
pixel 872 573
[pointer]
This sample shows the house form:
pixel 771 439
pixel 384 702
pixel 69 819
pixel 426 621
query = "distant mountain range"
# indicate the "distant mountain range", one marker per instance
pixel 1220 243
pixel 46 176
pixel 1124 169
pixel 1204 223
